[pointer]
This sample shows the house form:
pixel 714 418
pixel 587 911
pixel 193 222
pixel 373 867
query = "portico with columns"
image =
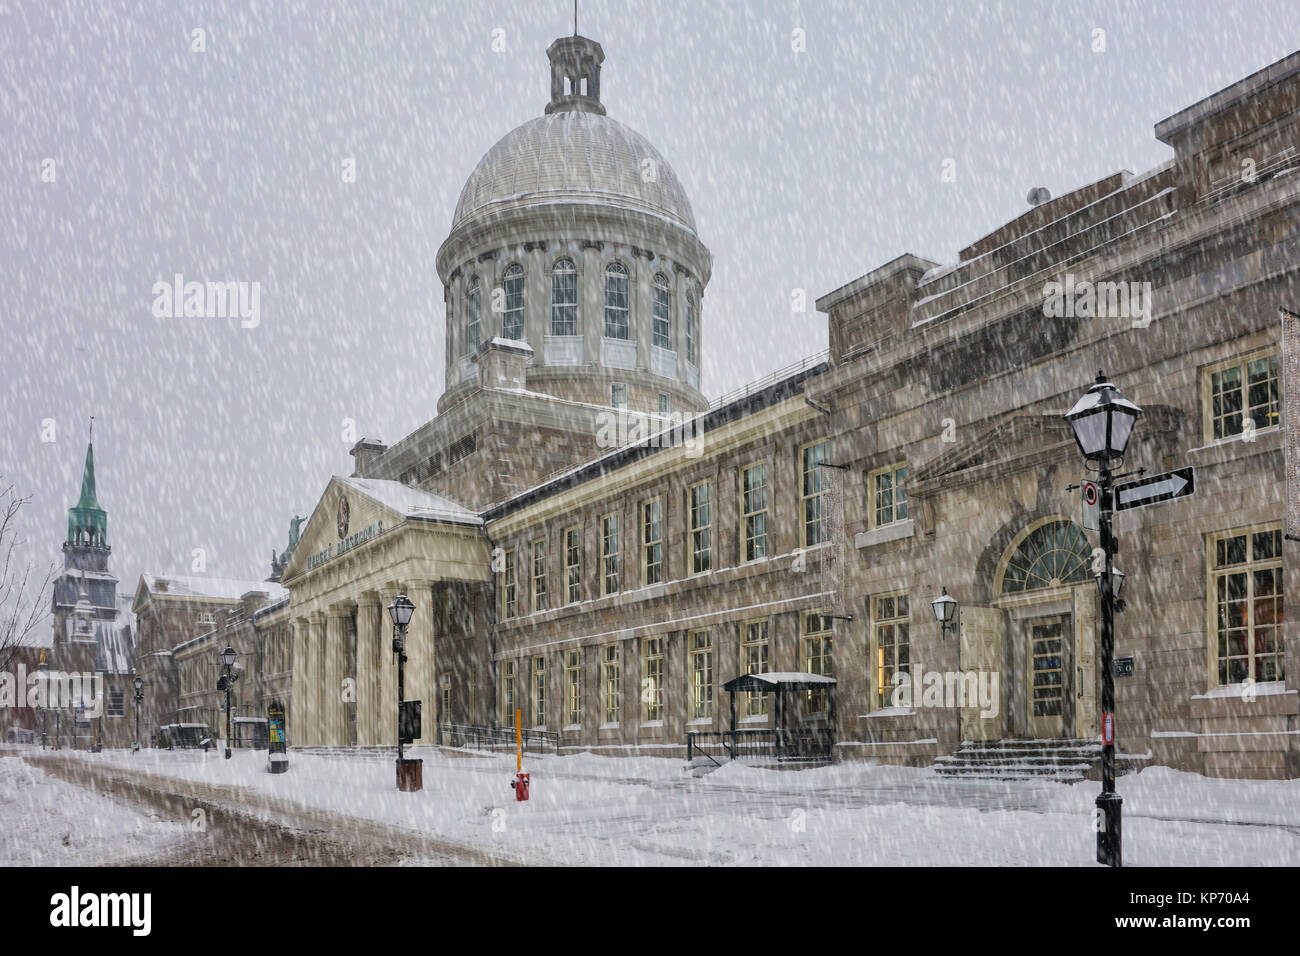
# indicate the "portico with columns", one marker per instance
pixel 367 541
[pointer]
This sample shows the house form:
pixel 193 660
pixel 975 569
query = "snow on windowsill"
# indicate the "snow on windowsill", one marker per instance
pixel 890 532
pixel 1264 689
pixel 650 723
pixel 699 722
pixel 890 712
pixel 608 726
pixel 572 727
pixel 754 719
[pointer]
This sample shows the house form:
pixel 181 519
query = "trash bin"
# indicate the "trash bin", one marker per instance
pixel 410 775
pixel 277 763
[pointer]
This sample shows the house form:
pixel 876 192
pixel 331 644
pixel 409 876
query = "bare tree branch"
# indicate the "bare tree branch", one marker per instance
pixel 22 607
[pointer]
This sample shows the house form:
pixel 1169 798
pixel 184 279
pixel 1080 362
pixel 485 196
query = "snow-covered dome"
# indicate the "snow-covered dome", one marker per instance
pixel 573 156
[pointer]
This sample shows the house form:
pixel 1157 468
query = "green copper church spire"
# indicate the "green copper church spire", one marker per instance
pixel 87 521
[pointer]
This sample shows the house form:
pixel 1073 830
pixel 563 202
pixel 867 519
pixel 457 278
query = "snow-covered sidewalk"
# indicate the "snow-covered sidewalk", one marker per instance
pixel 593 810
pixel 45 821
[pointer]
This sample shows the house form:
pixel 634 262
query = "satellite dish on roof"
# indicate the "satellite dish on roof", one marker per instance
pixel 1038 195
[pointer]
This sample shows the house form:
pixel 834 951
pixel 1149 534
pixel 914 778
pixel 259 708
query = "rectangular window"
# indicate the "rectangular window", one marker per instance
pixel 539 692
pixel 812 493
pixel 665 404
pixel 701 674
pixel 662 320
pixel 609 545
pixel 753 507
pixel 817 657
pixel 573 678
pixel 1242 395
pixel 539 574
pixel 1246 593
pixel 652 679
pixel 611 683
pixel 444 714
pixel 618 395
pixel 116 702
pixel 691 355
pixel 652 545
pixel 508 606
pixel 564 299
pixel 891 643
pixel 888 495
pixel 755 650
pixel 508 693
pixel 701 513
pixel 573 565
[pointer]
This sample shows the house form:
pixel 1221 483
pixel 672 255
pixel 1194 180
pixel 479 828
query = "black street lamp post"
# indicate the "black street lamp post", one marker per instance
pixel 226 683
pixel 1103 421
pixel 401 611
pixel 139 699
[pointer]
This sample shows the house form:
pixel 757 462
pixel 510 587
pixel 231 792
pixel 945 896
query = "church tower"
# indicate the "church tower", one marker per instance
pixel 85 591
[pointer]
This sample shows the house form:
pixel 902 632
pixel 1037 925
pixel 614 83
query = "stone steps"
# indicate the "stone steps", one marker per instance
pixel 1061 760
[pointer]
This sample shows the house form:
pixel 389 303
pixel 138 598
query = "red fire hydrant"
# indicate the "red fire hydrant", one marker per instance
pixel 520 783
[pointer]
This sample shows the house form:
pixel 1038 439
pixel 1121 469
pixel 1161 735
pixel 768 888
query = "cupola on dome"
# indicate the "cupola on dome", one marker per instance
pixel 574 154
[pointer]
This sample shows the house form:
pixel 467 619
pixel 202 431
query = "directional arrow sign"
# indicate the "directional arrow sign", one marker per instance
pixel 1153 490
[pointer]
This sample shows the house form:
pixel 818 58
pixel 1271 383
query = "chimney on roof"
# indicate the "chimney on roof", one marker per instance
pixel 364 454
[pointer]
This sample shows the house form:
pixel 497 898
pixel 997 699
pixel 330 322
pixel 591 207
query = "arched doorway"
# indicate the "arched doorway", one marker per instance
pixel 1042 583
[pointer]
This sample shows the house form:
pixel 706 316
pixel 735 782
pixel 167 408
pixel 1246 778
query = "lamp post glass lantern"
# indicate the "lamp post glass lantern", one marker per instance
pixel 945 609
pixel 401 611
pixel 1102 421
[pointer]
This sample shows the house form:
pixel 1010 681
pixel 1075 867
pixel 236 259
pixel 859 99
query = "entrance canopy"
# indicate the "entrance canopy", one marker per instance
pixel 777 681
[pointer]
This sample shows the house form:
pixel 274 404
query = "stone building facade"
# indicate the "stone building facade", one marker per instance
pixel 806 525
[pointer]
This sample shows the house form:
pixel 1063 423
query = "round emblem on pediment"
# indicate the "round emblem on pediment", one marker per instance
pixel 344 512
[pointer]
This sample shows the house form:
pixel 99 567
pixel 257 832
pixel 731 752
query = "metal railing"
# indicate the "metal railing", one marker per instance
pixel 813 744
pixel 497 738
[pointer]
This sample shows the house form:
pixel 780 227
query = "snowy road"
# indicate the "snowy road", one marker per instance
pixel 646 812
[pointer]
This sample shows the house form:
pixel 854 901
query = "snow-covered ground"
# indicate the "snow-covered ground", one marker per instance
pixel 587 809
pixel 47 822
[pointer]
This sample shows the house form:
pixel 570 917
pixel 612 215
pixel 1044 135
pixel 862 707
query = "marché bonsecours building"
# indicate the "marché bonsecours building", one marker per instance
pixel 590 542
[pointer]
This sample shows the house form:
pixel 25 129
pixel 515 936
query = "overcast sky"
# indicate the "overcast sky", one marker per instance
pixel 805 169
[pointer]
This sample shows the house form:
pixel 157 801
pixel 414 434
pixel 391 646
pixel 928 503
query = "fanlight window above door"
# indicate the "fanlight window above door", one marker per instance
pixel 1052 555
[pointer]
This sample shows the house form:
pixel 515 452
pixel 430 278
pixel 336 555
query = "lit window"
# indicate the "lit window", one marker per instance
pixel 701 674
pixel 508 693
pixel 888 495
pixel 663 327
pixel 652 679
pixel 617 323
pixel 701 499
pixel 754 657
pixel 609 545
pixel 1246 591
pixel 564 298
pixel 1241 393
pixel 652 547
pixel 812 492
pixel 817 657
pixel 611 683
pixel 890 643
pixel 512 319
pixel 753 505
pixel 573 565
pixel 539 692
pixel 573 676
pixel 539 575
pixel 473 310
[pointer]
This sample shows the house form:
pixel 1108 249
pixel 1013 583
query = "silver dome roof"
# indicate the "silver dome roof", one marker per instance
pixel 572 156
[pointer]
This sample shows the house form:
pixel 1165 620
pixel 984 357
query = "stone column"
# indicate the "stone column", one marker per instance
pixel 333 715
pixel 421 658
pixel 314 725
pixel 300 680
pixel 386 719
pixel 369 663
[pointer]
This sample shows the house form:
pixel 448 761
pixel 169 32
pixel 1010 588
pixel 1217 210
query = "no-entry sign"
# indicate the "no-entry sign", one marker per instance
pixel 1091 495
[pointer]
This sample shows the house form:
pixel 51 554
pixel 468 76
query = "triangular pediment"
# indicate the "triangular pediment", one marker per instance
pixel 354 511
pixel 1009 441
